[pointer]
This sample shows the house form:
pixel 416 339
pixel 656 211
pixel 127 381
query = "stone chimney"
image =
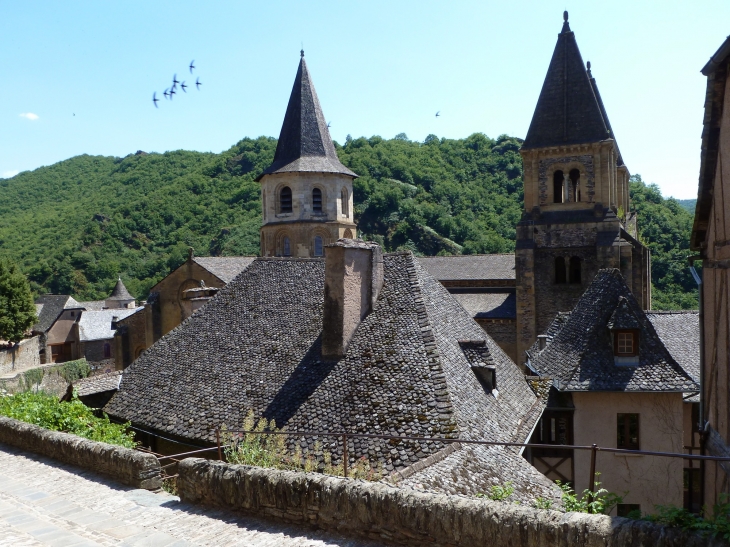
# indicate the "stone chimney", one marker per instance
pixel 541 341
pixel 195 298
pixel 353 279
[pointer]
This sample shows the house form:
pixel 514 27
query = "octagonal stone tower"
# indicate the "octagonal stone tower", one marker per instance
pixel 306 193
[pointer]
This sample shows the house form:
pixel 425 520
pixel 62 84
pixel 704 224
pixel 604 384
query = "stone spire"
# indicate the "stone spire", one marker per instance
pixel 305 144
pixel 569 111
pixel 120 297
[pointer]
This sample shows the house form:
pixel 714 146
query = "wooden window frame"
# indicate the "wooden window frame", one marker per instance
pixel 623 427
pixel 634 342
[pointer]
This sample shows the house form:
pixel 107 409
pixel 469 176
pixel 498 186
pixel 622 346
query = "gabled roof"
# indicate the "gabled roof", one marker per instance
pixel 716 70
pixel 98 384
pixel 96 324
pixel 580 355
pixel 679 331
pixel 304 143
pixel 224 268
pixel 120 292
pixel 487 305
pixel 622 317
pixel 470 267
pixel 51 307
pixel 568 110
pixel 256 345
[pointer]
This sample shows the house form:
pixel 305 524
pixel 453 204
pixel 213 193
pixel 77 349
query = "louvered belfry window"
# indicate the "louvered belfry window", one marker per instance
pixel 317 200
pixel 285 200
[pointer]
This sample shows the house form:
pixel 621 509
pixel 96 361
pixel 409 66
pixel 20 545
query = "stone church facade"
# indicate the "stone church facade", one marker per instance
pixel 306 193
pixel 577 217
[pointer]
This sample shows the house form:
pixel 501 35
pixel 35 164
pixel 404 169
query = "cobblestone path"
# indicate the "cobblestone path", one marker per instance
pixel 44 502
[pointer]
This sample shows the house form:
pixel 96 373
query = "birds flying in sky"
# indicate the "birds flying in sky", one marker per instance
pixel 438 113
pixel 171 91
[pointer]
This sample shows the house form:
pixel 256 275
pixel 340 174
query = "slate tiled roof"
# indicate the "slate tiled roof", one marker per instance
pixel 304 143
pixel 52 306
pixel 224 268
pixel 470 267
pixel 488 305
pixel 98 384
pixel 92 305
pixel 680 333
pixel 96 325
pixel 120 292
pixel 256 345
pixel 580 355
pixel 568 110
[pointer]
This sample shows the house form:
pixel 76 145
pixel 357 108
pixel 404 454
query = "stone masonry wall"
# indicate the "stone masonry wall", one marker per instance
pixel 398 516
pixel 123 464
pixel 25 356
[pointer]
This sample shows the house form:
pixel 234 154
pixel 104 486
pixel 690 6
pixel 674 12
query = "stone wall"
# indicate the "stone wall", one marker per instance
pixel 123 464
pixel 398 516
pixel 23 357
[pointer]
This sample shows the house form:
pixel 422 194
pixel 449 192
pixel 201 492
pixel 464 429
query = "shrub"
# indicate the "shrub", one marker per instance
pixel 254 448
pixel 73 417
pixel 598 501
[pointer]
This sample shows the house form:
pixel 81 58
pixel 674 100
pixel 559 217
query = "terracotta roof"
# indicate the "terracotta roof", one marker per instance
pixel 224 268
pixel 470 267
pixel 488 305
pixel 256 345
pixel 579 355
pixel 304 143
pixel 120 292
pixel 568 110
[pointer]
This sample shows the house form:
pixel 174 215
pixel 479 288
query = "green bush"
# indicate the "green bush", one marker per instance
pixel 73 417
pixel 716 525
pixel 598 501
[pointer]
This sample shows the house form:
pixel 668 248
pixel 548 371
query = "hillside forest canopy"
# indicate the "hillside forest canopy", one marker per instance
pixel 74 226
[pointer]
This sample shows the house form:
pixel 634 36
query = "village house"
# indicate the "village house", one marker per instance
pixel 357 341
pixel 711 239
pixel 615 383
pixel 70 330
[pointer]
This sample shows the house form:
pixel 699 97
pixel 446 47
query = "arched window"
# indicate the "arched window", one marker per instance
pixel 345 202
pixel 575 270
pixel 285 200
pixel 318 246
pixel 317 200
pixel 348 234
pixel 286 246
pixel 558 192
pixel 559 270
pixel 107 350
pixel 574 185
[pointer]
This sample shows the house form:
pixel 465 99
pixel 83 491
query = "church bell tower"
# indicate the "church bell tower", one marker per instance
pixel 577 217
pixel 306 193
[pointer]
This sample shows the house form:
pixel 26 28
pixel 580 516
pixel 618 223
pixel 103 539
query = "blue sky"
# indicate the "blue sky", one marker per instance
pixel 78 77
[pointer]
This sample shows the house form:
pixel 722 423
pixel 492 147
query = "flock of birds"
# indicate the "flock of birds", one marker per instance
pixel 171 91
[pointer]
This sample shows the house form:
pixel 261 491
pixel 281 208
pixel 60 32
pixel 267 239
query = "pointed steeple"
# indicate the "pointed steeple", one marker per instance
pixel 120 292
pixel 569 111
pixel 305 144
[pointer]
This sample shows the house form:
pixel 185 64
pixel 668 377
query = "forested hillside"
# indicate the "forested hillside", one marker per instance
pixel 76 225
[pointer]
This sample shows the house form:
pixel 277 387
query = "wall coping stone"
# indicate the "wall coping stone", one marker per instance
pixel 128 466
pixel 402 516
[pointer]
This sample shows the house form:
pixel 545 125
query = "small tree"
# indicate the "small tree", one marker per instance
pixel 17 310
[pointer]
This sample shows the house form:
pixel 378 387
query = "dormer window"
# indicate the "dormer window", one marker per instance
pixel 625 343
pixel 487 377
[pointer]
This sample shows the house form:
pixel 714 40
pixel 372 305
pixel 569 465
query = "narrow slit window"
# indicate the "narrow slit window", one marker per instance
pixel 286 246
pixel 345 202
pixel 558 191
pixel 285 200
pixel 575 267
pixel 317 200
pixel 574 185
pixel 318 246
pixel 560 270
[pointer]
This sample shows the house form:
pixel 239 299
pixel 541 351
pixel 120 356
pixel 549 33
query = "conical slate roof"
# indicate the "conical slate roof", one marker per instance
pixel 305 144
pixel 569 110
pixel 120 292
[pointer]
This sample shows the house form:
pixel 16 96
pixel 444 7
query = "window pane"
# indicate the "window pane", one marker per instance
pixel 317 200
pixel 318 250
pixel 627 431
pixel 287 248
pixel 625 342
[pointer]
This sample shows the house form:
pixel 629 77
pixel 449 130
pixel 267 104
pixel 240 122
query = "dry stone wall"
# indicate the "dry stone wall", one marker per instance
pixel 398 516
pixel 123 464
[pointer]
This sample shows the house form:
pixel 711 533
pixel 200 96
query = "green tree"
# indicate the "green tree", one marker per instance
pixel 17 311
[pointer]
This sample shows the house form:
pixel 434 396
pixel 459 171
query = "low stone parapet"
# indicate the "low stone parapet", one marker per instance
pixel 128 466
pixel 398 516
